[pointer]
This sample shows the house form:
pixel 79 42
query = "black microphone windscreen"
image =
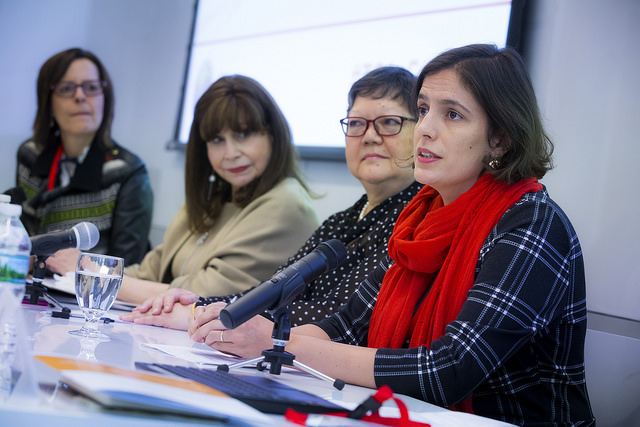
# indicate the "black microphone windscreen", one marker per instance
pixel 334 250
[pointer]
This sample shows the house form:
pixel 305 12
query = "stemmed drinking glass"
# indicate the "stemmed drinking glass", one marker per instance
pixel 98 280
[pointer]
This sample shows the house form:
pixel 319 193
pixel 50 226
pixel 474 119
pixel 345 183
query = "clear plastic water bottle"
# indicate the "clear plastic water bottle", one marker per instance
pixel 15 249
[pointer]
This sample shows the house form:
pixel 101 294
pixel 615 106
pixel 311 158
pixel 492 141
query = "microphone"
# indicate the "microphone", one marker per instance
pixel 83 236
pixel 285 285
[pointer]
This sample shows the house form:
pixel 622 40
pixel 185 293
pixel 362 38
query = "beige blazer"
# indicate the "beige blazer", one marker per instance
pixel 244 248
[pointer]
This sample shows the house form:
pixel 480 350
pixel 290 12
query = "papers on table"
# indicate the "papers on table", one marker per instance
pixel 66 283
pixel 118 388
pixel 199 354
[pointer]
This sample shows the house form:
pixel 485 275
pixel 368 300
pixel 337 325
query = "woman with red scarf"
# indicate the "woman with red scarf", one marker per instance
pixel 481 304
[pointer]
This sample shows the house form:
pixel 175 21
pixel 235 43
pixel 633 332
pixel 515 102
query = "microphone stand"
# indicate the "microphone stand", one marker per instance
pixel 275 357
pixel 37 290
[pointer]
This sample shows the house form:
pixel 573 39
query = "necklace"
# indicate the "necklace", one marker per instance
pixel 202 238
pixel 364 208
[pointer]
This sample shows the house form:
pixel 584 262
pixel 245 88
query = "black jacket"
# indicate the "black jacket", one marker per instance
pixel 110 188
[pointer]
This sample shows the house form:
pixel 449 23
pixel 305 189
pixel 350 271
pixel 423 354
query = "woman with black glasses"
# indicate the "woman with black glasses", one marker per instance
pixel 72 171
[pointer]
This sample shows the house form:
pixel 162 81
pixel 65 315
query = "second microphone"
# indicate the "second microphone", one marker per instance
pixel 83 236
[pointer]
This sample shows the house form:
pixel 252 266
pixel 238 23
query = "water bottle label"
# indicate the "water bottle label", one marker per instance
pixel 14 268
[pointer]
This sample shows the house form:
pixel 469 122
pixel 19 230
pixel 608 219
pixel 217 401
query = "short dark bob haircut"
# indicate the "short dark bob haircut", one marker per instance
pixel 45 129
pixel 243 105
pixel 391 82
pixel 498 80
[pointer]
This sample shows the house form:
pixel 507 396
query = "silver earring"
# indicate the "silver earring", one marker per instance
pixel 495 164
pixel 212 179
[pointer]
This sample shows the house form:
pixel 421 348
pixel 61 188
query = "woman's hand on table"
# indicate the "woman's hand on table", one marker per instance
pixel 247 340
pixel 171 309
pixel 166 300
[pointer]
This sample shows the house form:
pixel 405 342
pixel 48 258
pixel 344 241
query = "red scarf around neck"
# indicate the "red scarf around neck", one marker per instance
pixel 437 246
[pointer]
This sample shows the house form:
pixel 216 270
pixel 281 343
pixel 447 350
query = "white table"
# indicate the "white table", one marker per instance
pixel 49 406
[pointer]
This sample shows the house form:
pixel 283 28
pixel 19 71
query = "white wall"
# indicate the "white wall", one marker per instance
pixel 584 63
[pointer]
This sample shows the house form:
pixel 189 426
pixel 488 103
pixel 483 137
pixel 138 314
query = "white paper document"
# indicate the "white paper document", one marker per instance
pixel 199 354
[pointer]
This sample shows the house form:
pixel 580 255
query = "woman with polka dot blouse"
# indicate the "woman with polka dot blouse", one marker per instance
pixel 378 130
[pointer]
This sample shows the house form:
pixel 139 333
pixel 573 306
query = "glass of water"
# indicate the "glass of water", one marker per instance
pixel 98 280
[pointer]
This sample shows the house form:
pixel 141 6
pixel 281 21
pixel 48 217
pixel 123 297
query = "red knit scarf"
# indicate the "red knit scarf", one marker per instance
pixel 432 243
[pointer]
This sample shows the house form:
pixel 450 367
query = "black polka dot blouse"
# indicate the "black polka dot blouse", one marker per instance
pixel 366 243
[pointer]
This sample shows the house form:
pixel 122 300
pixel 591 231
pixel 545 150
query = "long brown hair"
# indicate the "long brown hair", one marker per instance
pixel 45 129
pixel 243 105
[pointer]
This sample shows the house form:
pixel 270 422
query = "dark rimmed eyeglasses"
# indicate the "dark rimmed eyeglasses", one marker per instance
pixel 384 125
pixel 89 87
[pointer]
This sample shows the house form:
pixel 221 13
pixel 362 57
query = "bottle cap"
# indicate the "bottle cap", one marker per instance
pixel 9 209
